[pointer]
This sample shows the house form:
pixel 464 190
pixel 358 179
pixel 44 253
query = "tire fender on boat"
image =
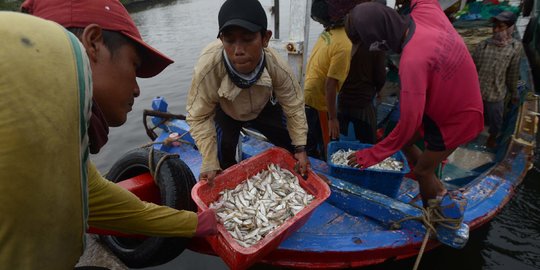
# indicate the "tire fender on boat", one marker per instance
pixel 175 181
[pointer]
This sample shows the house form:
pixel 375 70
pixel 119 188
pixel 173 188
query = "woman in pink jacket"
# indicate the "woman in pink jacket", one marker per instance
pixel 440 95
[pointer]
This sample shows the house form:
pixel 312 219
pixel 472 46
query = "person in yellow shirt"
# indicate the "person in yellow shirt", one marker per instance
pixel 59 94
pixel 326 72
pixel 327 69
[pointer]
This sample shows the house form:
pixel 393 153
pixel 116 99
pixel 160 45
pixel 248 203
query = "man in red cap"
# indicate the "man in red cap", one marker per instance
pixel 46 231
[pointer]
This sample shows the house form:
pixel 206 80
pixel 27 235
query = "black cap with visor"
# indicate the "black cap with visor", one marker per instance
pixel 248 14
pixel 506 17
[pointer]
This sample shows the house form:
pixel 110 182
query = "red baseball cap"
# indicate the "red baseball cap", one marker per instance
pixel 109 14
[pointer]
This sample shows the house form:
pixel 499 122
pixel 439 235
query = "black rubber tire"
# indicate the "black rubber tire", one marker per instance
pixel 175 182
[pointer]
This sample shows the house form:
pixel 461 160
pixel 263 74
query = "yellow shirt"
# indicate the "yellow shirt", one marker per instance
pixel 49 190
pixel 114 208
pixel 331 57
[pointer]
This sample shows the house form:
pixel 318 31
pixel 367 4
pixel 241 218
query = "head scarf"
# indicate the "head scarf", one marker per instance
pixel 377 27
pixel 337 9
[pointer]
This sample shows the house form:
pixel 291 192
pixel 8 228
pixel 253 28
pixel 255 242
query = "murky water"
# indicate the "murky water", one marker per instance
pixel 182 28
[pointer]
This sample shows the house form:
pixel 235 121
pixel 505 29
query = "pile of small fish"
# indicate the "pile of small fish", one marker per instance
pixel 389 164
pixel 260 204
pixel 340 157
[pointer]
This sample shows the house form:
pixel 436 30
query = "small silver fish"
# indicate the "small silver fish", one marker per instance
pixel 260 204
pixel 340 158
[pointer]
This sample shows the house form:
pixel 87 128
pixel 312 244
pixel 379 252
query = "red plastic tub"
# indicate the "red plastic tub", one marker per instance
pixel 235 255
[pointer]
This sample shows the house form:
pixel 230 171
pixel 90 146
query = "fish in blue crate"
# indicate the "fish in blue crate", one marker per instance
pixel 340 158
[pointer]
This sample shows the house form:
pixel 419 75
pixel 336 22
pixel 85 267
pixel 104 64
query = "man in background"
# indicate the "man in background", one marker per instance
pixel 497 62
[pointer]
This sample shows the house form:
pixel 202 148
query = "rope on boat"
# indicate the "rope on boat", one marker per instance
pixel 168 142
pixel 155 172
pixel 431 217
pixel 421 252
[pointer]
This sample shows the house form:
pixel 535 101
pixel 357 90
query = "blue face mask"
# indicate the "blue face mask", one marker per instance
pixel 379 46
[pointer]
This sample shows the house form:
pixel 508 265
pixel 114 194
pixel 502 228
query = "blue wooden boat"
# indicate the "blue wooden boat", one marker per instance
pixel 355 226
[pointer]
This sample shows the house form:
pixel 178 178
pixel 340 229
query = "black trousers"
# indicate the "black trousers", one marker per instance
pixel 315 145
pixel 364 122
pixel 270 122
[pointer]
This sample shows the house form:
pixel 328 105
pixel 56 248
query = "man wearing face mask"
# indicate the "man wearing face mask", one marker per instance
pixel 238 81
pixel 497 62
pixel 440 98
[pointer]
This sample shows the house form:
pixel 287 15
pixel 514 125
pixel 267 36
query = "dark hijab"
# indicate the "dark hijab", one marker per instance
pixel 376 27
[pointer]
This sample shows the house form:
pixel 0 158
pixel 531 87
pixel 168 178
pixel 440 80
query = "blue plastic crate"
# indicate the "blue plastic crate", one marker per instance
pixel 383 181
